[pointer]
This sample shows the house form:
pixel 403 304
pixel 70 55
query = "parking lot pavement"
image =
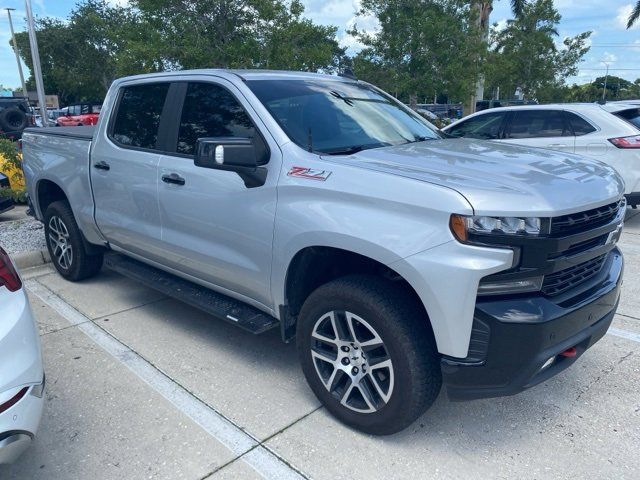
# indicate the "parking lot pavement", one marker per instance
pixel 141 386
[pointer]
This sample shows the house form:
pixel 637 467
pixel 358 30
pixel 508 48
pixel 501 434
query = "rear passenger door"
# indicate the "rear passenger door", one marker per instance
pixel 588 141
pixel 214 227
pixel 540 128
pixel 124 170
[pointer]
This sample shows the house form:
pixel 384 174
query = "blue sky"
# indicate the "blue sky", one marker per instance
pixel 611 42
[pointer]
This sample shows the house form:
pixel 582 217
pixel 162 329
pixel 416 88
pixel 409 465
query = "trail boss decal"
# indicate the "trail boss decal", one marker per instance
pixel 309 173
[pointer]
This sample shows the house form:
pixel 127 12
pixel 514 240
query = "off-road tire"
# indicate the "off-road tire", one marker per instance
pixel 82 265
pixel 401 323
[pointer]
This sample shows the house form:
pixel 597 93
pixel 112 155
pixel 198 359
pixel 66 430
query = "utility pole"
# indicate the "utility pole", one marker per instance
pixel 15 50
pixel 604 90
pixel 37 71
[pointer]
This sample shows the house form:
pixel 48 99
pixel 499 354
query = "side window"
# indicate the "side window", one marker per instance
pixel 485 127
pixel 579 125
pixel 209 110
pixel 537 123
pixel 85 109
pixel 73 110
pixel 138 115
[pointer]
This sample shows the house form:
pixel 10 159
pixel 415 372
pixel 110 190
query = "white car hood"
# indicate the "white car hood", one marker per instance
pixel 497 178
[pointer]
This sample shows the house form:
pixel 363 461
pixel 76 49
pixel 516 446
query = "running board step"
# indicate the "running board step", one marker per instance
pixel 214 303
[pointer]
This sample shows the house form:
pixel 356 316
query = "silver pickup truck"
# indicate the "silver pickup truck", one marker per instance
pixel 399 260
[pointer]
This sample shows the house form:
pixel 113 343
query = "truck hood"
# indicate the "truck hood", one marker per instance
pixel 497 178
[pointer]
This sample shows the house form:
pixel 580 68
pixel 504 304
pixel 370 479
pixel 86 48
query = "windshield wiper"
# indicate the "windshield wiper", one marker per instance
pixel 346 100
pixel 346 150
pixel 420 138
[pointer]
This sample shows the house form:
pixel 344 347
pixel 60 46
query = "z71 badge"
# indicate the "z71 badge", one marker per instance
pixel 309 173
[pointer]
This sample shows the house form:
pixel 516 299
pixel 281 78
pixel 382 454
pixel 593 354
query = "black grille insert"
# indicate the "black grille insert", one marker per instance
pixel 561 281
pixel 583 221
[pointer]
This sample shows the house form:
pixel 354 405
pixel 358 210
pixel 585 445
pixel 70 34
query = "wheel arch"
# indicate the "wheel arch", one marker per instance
pixel 315 265
pixel 47 192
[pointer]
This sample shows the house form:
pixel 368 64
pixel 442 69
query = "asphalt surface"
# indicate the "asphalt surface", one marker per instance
pixel 143 387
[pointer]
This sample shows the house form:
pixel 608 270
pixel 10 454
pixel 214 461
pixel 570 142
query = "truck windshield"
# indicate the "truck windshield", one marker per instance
pixel 338 118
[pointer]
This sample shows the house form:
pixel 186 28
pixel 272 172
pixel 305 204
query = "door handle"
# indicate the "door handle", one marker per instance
pixel 173 178
pixel 101 165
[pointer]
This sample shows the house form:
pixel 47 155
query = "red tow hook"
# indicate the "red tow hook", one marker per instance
pixel 569 352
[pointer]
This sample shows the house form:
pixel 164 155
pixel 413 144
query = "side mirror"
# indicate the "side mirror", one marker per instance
pixel 238 154
pixel 231 152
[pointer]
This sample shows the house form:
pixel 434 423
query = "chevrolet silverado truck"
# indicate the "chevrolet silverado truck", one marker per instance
pixel 399 260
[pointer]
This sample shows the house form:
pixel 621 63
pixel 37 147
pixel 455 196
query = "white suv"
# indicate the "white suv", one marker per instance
pixel 610 133
pixel 21 373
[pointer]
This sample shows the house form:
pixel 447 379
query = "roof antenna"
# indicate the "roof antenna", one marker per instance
pixel 348 73
pixel 309 141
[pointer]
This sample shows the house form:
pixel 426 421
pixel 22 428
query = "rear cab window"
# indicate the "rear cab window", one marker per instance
pixel 137 115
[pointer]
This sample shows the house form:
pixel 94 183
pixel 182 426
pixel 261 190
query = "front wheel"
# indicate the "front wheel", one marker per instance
pixel 368 353
pixel 65 244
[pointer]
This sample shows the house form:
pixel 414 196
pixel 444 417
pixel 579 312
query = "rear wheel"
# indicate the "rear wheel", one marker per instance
pixel 368 353
pixel 66 246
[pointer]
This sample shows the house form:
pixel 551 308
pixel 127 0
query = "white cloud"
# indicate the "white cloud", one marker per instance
pixel 609 58
pixel 623 15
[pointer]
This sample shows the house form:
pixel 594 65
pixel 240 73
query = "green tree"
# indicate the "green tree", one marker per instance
pixel 421 48
pixel 484 9
pixel 617 89
pixel 82 56
pixel 524 54
pixel 239 34
pixel 99 42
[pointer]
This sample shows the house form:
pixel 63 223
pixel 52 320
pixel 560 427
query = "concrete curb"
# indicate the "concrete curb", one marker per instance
pixel 34 258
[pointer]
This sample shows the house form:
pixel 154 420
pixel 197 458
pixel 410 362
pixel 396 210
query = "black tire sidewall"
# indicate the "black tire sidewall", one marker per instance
pixel 397 414
pixel 4 122
pixel 63 211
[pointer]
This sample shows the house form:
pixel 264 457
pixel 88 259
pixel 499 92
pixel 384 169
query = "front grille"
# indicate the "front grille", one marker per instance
pixel 583 221
pixel 561 281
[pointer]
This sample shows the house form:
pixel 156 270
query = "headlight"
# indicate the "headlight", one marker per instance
pixel 462 225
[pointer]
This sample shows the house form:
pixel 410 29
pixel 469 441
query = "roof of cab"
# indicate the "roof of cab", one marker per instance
pixel 243 74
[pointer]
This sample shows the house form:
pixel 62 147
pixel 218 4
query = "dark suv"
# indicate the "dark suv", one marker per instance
pixel 14 116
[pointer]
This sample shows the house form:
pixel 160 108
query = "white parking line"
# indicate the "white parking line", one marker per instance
pixel 262 460
pixel 618 332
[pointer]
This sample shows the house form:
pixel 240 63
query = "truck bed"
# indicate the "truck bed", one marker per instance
pixel 82 133
pixel 61 155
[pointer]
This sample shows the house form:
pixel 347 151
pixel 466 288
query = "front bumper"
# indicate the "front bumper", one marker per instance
pixel 514 338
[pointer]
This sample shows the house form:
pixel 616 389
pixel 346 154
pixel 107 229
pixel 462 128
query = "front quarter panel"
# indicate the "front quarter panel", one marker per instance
pixel 383 217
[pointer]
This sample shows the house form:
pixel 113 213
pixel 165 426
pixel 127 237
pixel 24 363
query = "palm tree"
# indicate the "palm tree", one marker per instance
pixel 635 14
pixel 484 10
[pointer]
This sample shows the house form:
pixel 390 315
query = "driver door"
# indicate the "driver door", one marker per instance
pixel 214 227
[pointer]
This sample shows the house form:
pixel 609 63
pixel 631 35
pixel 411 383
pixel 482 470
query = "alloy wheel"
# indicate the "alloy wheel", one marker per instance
pixel 60 243
pixel 352 361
